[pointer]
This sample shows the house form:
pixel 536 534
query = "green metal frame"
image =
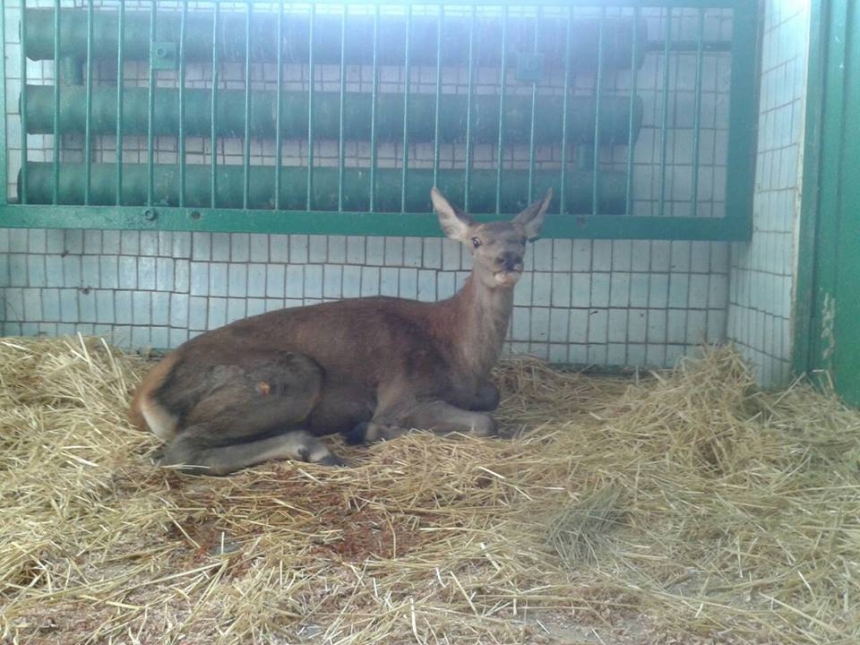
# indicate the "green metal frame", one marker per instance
pixel 736 225
pixel 827 307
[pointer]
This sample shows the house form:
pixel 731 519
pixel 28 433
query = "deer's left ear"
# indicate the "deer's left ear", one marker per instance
pixel 531 219
pixel 455 223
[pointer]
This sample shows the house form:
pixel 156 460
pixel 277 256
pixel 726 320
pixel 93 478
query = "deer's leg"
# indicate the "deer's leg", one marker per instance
pixel 486 398
pixel 436 416
pixel 252 411
pixel 192 452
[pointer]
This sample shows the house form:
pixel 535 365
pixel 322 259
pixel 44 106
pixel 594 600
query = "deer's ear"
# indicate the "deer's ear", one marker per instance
pixel 531 219
pixel 455 223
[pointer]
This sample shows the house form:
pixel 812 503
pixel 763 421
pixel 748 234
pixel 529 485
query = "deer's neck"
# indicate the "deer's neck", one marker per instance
pixel 481 315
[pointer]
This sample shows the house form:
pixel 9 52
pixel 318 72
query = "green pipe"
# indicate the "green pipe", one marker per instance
pixel 514 190
pixel 39 38
pixel 615 116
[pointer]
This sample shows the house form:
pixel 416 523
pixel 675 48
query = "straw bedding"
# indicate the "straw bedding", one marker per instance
pixel 685 507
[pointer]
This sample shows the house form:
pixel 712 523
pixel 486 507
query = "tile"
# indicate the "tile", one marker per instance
pixel 179 310
pixel 218 279
pixel 50 305
pixel 237 281
pixel 240 247
pixel 617 326
pixel 540 319
pixel 598 325
pixel 164 277
pixel 237 308
pixel 87 305
pixel 127 272
pixel 355 249
pixel 92 242
pixel 32 305
pixel 36 276
pixel 109 271
pixel 332 281
pixel 317 249
pixel 145 273
pixel 198 312
pixel 389 282
pixel 68 305
pixel 313 281
pixel 408 283
pixel 560 285
pixel 254 307
pixel 375 251
pixel 520 324
pixel 217 313
pixel 129 243
pixel 123 313
pixel 201 246
pixel 432 253
pixel 256 280
pixel 199 285
pixel 160 308
pixel 141 308
pixel 541 289
pixel 220 247
pixel 18 270
pixel 619 289
pixel 104 306
pixel 427 286
pixel 258 247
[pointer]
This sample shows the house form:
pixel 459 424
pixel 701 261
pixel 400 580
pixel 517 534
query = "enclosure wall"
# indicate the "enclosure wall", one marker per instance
pixel 602 302
pixel 763 269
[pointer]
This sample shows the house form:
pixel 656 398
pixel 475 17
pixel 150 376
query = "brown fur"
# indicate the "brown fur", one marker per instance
pixel 263 387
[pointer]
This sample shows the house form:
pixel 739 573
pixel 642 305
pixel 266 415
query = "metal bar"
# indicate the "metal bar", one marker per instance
pixel 4 150
pixel 743 96
pixel 88 107
pixel 503 77
pixel 22 191
pixel 150 113
pixel 436 138
pixel 419 223
pixel 532 125
pixel 469 100
pixel 183 36
pixel 374 96
pixel 564 113
pixel 697 115
pixel 57 83
pixel 664 119
pixel 213 133
pixel 120 100
pixel 341 146
pixel 311 112
pixel 279 109
pixel 804 337
pixel 631 140
pixel 246 148
pixel 595 165
pixel 406 79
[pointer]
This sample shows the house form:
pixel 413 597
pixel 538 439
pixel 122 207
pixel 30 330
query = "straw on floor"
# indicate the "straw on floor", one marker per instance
pixel 685 507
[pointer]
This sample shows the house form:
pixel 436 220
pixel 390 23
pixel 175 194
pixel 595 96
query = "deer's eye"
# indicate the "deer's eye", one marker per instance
pixel 476 242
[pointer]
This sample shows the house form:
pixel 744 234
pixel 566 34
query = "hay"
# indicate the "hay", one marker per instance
pixel 688 507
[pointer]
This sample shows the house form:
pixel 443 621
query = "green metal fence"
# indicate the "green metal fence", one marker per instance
pixel 339 117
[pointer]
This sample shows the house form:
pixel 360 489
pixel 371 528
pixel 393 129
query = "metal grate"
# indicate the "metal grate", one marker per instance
pixel 337 118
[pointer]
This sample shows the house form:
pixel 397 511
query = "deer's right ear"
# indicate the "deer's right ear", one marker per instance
pixel 455 223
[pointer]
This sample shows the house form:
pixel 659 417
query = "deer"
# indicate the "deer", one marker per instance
pixel 268 387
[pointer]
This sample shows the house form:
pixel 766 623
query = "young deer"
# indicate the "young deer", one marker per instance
pixel 266 387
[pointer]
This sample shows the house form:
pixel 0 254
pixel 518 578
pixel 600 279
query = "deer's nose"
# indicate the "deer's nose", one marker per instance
pixel 509 261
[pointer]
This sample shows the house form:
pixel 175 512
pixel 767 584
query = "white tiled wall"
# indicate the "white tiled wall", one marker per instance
pixel 601 302
pixel 763 270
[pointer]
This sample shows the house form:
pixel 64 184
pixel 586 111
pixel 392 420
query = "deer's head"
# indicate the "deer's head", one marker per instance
pixel 497 247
